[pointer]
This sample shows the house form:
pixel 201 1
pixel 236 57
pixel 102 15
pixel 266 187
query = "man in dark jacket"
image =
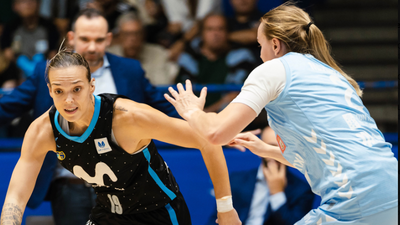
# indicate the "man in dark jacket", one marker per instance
pixel 71 198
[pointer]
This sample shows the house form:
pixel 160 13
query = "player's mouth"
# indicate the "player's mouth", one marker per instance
pixel 71 110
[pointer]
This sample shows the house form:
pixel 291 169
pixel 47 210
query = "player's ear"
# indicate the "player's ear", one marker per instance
pixel 276 46
pixel 92 85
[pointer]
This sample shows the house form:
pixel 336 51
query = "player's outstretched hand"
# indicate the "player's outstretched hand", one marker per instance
pixel 184 101
pixel 250 141
pixel 228 218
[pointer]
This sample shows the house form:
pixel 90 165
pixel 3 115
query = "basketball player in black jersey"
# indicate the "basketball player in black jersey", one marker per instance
pixel 107 141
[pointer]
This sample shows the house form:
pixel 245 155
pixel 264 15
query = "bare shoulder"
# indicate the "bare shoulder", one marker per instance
pixel 127 111
pixel 39 137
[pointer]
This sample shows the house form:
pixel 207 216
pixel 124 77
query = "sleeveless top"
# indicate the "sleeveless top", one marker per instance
pixel 124 183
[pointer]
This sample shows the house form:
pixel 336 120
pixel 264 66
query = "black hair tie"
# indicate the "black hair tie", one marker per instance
pixel 307 28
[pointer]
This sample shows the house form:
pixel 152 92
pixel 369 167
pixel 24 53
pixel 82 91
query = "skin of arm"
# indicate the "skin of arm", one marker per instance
pixel 218 129
pixel 139 123
pixel 248 36
pixel 38 140
pixel 223 127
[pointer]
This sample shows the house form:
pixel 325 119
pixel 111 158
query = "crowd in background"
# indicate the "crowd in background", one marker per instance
pixel 206 41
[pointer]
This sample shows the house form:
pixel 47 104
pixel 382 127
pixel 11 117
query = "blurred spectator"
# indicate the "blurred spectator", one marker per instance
pixel 61 12
pixel 243 25
pixel 154 58
pixel 269 194
pixel 181 14
pixel 111 9
pixel 71 199
pixel 9 73
pixel 262 6
pixel 211 60
pixel 156 29
pixel 183 17
pixel 30 38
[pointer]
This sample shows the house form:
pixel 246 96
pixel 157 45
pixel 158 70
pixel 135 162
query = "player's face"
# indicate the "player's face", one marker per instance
pixel 90 39
pixel 266 52
pixel 71 92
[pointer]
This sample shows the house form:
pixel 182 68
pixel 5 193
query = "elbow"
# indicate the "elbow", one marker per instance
pixel 216 138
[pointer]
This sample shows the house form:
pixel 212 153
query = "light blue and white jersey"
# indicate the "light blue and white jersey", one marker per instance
pixel 325 131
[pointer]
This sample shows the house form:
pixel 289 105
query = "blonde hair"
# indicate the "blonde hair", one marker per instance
pixel 291 25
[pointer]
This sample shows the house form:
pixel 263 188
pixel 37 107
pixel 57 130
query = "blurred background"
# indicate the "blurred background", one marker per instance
pixel 164 34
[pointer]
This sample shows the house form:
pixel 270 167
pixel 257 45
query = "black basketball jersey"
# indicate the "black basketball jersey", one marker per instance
pixel 124 183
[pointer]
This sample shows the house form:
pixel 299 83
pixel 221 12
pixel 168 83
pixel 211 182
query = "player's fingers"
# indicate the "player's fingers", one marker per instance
pixel 189 87
pixel 180 88
pixel 245 136
pixel 173 93
pixel 242 142
pixel 216 221
pixel 203 93
pixel 255 132
pixel 171 100
pixel 238 147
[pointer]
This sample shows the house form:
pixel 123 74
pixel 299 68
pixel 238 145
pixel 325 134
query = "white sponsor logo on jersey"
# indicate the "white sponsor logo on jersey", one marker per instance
pixel 102 145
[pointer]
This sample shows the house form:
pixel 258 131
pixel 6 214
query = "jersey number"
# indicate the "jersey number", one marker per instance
pixel 115 205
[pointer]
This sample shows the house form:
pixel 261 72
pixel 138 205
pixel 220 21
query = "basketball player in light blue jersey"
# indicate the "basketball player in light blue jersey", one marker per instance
pixel 321 124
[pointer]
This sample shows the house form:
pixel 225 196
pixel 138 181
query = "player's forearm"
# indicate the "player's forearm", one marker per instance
pixel 207 126
pixel 274 152
pixel 244 37
pixel 214 160
pixel 12 212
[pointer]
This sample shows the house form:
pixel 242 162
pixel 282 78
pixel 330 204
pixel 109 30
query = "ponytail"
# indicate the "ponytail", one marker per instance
pixel 294 28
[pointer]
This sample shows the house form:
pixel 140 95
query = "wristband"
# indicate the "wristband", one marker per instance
pixel 224 204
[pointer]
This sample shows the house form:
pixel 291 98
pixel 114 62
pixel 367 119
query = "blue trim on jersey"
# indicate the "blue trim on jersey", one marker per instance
pixel 155 177
pixel 85 135
pixel 172 214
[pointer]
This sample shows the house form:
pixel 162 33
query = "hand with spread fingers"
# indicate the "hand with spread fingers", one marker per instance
pixel 184 101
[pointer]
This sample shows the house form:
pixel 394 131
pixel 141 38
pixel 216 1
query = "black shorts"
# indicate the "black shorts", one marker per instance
pixel 175 213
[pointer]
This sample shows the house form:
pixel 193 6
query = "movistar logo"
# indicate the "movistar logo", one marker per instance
pixel 101 144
